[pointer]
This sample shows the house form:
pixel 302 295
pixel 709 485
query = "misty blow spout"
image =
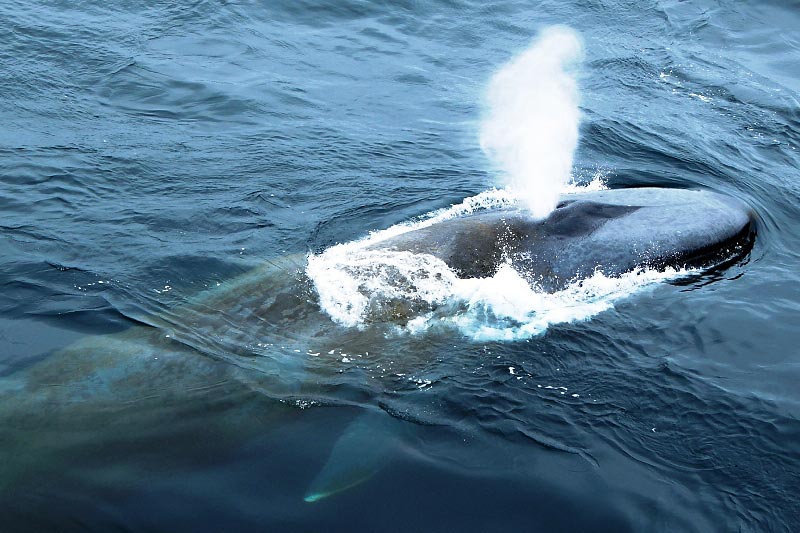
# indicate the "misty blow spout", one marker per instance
pixel 530 127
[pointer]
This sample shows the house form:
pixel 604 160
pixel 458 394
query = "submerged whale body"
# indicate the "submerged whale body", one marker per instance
pixel 259 341
pixel 613 231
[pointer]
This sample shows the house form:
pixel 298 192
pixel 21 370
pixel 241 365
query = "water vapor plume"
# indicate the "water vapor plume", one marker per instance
pixel 530 129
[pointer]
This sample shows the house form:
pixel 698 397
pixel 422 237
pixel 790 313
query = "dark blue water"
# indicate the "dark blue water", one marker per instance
pixel 150 152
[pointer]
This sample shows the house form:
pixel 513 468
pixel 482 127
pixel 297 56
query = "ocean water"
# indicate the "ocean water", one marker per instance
pixel 167 362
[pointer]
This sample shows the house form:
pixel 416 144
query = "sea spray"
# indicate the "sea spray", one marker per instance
pixel 531 125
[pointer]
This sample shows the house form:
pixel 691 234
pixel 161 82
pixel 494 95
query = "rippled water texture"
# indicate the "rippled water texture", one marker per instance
pixel 164 364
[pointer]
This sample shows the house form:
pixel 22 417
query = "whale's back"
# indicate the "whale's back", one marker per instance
pixel 614 231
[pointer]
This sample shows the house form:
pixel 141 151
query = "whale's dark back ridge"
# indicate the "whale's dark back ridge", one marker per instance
pixel 614 231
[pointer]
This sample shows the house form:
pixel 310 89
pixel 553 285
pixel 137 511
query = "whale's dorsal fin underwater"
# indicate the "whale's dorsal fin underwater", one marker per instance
pixel 613 231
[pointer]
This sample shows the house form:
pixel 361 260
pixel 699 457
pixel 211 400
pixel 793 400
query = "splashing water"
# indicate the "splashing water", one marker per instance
pixel 358 286
pixel 530 130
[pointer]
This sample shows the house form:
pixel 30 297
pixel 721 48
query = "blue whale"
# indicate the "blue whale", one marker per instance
pixel 262 336
pixel 613 231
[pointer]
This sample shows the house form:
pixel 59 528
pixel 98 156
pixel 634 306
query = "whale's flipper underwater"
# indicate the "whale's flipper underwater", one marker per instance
pixel 358 454
pixel 229 338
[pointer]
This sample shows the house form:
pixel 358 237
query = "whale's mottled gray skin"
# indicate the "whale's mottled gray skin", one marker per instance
pixel 614 231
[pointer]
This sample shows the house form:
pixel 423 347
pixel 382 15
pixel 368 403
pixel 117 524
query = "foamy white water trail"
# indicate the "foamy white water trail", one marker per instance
pixel 530 129
pixel 418 292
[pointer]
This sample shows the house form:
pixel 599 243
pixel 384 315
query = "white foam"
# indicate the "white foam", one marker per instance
pixel 505 307
pixel 597 183
pixel 348 278
pixel 357 286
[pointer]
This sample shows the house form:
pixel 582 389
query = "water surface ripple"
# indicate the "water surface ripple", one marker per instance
pixel 153 151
